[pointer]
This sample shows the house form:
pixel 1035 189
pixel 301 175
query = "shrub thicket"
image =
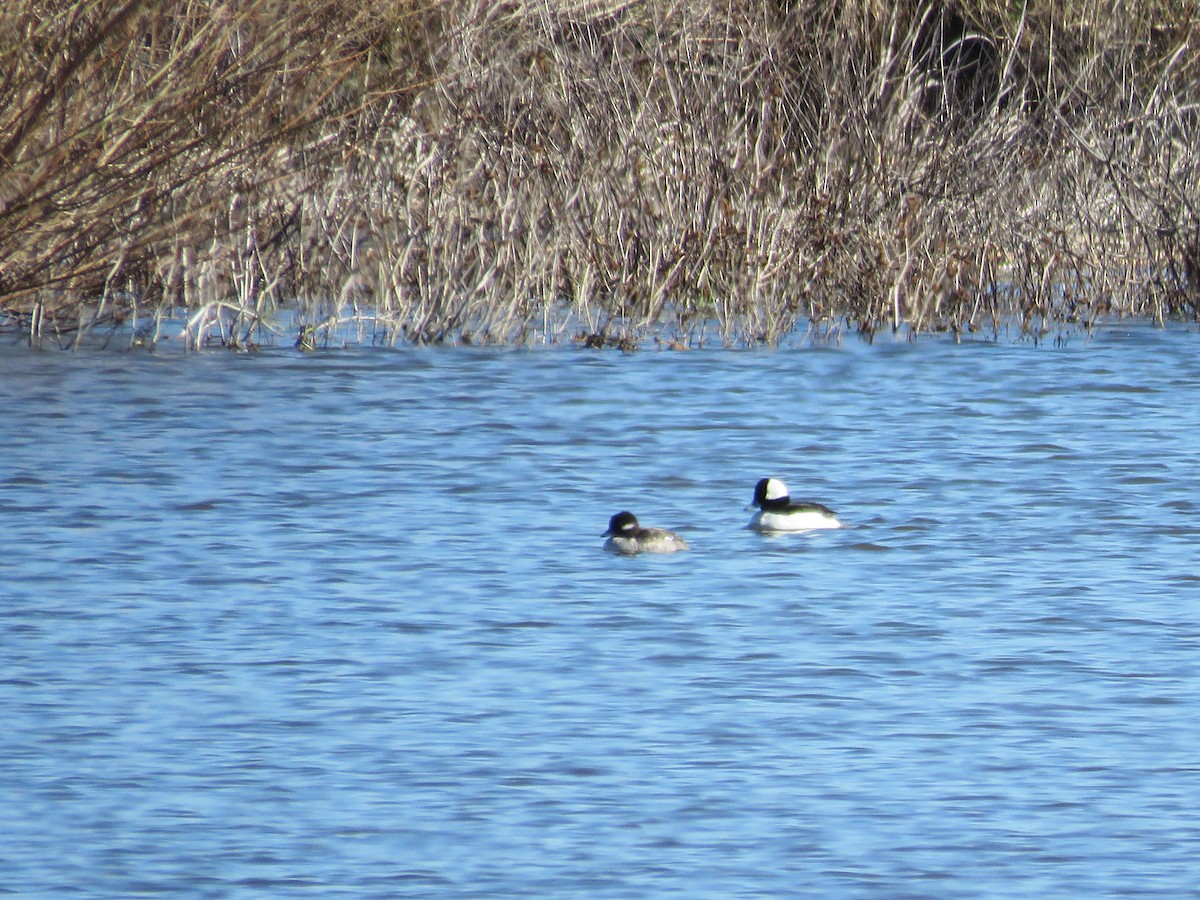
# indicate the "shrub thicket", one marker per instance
pixel 467 170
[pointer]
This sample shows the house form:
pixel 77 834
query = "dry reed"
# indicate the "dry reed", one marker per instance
pixel 609 173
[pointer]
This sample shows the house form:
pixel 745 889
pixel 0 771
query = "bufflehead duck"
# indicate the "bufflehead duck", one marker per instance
pixel 779 512
pixel 627 537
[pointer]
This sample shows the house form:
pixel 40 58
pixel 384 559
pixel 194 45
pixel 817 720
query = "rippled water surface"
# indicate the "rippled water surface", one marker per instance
pixel 340 625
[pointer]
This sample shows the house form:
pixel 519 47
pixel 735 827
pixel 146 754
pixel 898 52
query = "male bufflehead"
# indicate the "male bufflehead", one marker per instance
pixel 627 537
pixel 779 512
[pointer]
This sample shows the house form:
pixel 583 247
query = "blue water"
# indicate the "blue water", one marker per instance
pixel 340 624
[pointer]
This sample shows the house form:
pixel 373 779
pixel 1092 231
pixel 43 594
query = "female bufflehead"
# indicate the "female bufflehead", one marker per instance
pixel 779 512
pixel 627 537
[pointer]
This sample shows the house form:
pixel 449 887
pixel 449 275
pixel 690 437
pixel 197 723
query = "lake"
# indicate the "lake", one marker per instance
pixel 340 624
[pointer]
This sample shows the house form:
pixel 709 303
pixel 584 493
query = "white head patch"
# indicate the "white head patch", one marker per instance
pixel 776 489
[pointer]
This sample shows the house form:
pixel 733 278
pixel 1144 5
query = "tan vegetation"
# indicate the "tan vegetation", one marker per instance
pixel 612 173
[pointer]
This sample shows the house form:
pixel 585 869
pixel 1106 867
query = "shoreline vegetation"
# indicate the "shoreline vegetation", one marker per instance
pixel 615 174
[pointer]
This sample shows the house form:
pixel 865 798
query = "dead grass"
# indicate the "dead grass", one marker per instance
pixel 606 173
